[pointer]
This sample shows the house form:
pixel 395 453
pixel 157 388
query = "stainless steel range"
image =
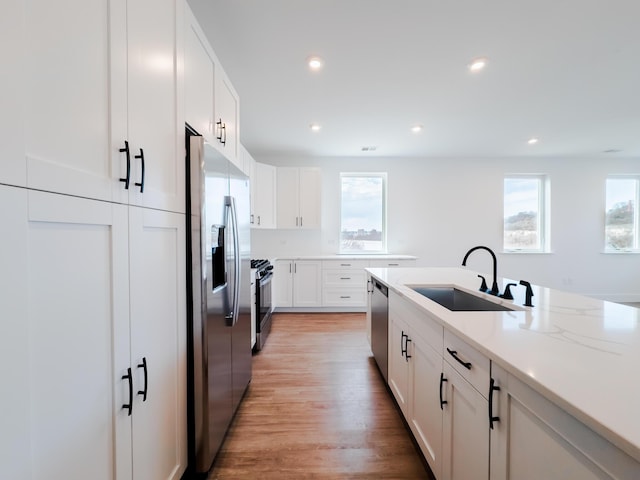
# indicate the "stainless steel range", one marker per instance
pixel 263 278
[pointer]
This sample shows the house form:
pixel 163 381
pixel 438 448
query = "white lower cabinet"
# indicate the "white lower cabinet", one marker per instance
pixel 398 367
pixel 465 446
pixel 415 368
pixel 472 420
pixel 75 320
pixel 298 283
pixel 343 283
pixel 158 343
pixel 535 439
pixel 426 424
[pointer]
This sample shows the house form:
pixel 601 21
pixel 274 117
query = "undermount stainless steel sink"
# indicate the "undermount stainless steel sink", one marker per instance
pixel 458 300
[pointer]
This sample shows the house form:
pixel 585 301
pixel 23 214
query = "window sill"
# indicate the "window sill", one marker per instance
pixel 621 252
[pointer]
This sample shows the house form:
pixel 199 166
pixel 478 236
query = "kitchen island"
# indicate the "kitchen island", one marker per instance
pixel 561 376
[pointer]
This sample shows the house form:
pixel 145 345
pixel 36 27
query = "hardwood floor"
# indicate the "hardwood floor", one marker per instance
pixel 317 408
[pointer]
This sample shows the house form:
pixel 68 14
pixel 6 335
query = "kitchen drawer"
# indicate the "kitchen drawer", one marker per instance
pixel 477 371
pixel 344 278
pixel 347 263
pixel 418 320
pixel 344 297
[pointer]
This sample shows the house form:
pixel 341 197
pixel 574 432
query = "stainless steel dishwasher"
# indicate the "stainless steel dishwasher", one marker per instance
pixel 380 326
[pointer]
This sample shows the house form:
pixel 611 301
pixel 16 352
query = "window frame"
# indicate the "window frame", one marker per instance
pixel 383 176
pixel 544 214
pixel 636 215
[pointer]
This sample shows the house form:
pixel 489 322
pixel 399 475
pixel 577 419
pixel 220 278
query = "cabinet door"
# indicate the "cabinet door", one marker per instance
pixel 307 283
pixel 152 100
pixel 15 455
pixel 227 111
pixel 287 211
pixel 283 283
pixel 78 328
pixel 13 169
pixel 66 88
pixel 265 202
pixel 426 413
pixel 531 428
pixel 199 81
pixel 465 451
pixel 398 364
pixel 309 197
pixel 158 339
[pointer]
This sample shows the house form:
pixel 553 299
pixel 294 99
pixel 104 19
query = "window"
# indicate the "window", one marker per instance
pixel 363 213
pixel 525 219
pixel 621 214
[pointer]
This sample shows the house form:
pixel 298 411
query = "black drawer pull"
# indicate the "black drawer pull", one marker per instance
pixel 406 350
pixel 345 296
pixel 345 278
pixel 454 354
pixel 492 388
pixel 129 376
pixel 442 402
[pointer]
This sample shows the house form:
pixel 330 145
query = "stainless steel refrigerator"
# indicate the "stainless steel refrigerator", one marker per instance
pixel 219 314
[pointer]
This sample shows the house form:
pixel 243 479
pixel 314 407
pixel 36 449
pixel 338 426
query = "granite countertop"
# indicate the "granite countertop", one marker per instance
pixel 581 353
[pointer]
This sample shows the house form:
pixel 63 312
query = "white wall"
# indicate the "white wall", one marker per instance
pixel 425 194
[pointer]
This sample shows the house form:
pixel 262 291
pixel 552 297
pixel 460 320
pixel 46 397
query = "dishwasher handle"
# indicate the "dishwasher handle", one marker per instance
pixel 381 288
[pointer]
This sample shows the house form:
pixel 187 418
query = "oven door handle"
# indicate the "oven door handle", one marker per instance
pixel 265 279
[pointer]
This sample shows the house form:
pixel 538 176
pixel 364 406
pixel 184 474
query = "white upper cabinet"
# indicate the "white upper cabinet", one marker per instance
pixel 211 103
pixel 147 43
pixel 298 197
pixel 199 74
pixel 13 170
pixel 65 95
pixel 227 114
pixel 79 92
pixel 263 195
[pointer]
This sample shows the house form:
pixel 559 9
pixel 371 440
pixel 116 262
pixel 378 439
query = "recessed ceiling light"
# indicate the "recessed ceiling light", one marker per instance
pixel 477 64
pixel 315 127
pixel 315 63
pixel 371 148
pixel 532 141
pixel 417 128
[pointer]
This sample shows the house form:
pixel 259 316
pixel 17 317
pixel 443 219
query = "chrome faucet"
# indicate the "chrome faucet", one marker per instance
pixel 494 287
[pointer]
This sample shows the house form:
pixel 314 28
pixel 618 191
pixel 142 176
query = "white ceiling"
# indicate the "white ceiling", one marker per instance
pixel 565 71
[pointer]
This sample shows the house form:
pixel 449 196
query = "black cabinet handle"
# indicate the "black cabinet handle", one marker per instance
pixel 403 345
pixel 406 350
pixel 127 179
pixel 442 402
pixel 454 354
pixel 223 140
pixel 219 129
pixel 141 184
pixel 146 379
pixel 129 405
pixel 492 388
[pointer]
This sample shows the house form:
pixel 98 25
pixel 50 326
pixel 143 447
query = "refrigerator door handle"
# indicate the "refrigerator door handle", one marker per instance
pixel 231 203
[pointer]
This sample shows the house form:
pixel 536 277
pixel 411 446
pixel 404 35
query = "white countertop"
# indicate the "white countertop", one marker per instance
pixel 581 353
pixel 349 256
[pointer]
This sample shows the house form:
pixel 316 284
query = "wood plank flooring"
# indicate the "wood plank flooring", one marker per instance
pixel 317 408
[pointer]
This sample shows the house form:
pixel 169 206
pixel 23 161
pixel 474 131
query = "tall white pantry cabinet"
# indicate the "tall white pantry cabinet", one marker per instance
pixel 92 264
